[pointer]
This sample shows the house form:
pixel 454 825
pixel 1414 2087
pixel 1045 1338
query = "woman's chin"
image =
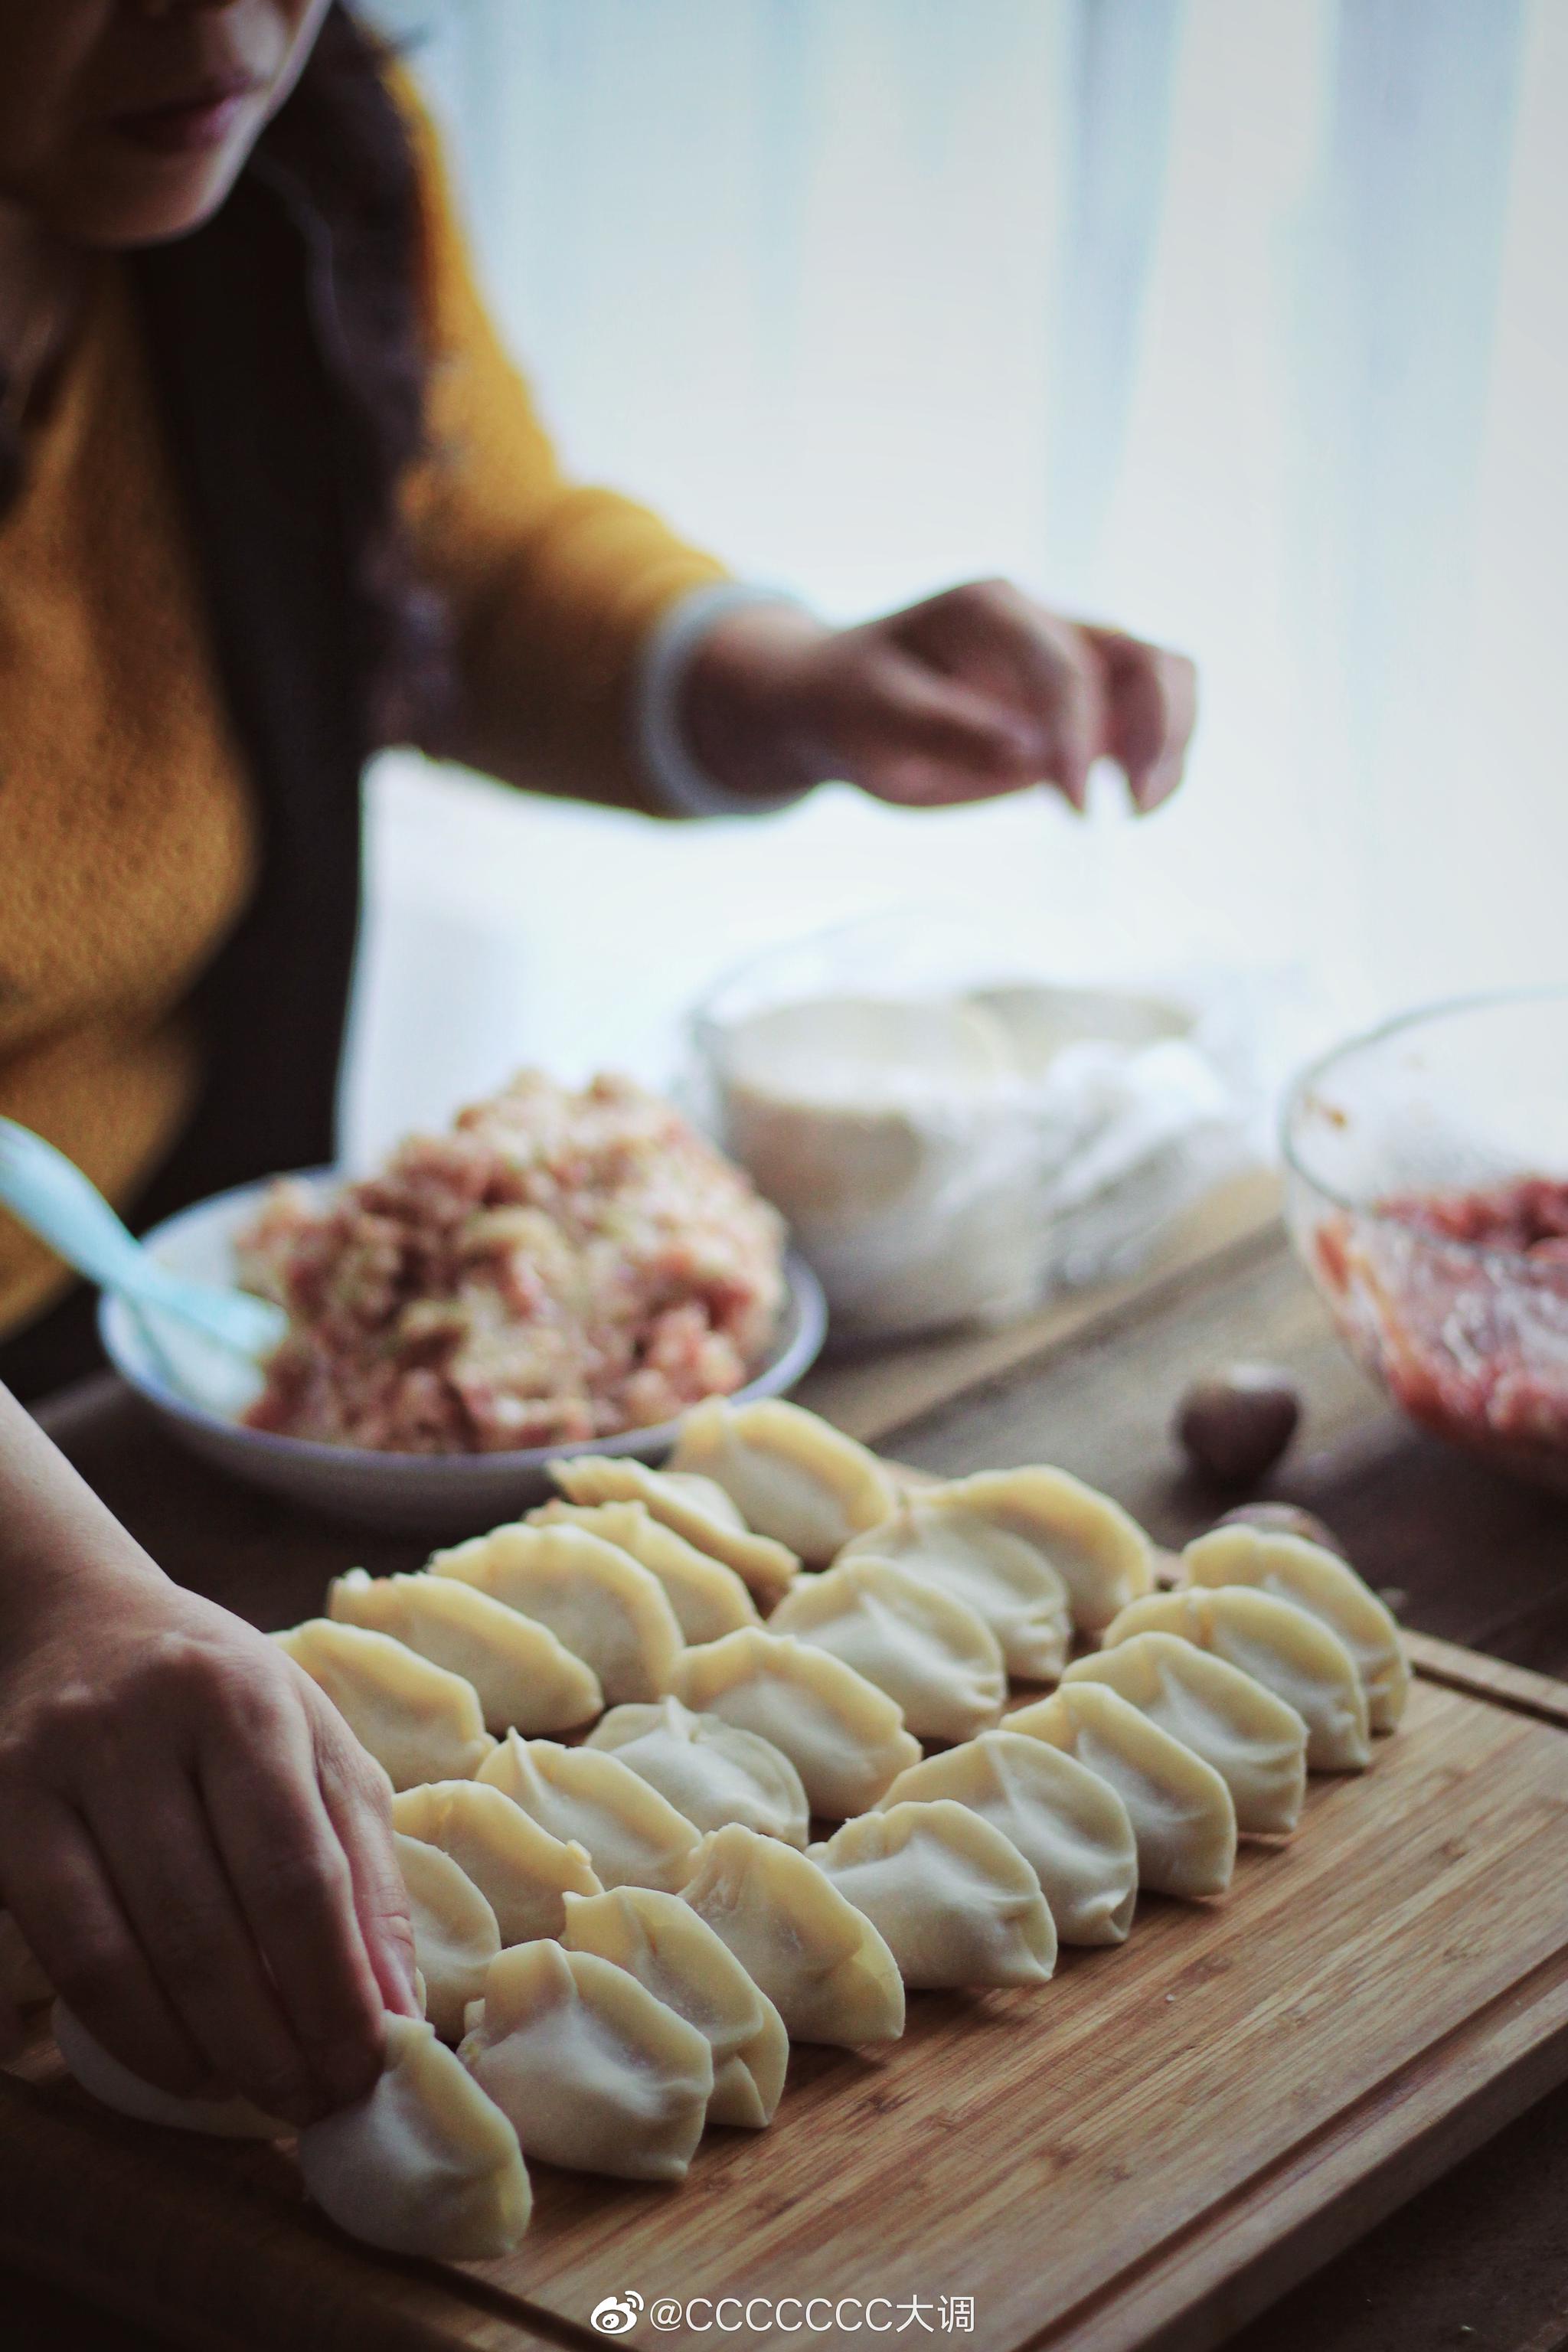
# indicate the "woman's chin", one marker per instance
pixel 128 196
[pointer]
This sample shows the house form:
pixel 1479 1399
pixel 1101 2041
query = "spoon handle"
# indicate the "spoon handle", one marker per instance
pixel 50 1195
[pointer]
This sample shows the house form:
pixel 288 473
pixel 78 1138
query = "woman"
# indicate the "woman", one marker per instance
pixel 272 497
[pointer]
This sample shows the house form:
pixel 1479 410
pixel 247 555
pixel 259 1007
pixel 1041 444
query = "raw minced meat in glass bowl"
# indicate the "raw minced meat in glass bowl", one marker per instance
pixel 559 1269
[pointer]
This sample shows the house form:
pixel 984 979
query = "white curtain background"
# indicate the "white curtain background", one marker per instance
pixel 1243 322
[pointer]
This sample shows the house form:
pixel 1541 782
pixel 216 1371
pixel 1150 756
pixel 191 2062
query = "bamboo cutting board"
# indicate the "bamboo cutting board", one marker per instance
pixel 1140 2154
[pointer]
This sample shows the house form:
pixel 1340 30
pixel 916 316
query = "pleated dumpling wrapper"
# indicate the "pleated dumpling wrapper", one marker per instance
pixel 1182 1814
pixel 927 1650
pixel 522 1674
pixel 419 1721
pixel 845 1737
pixel 952 1898
pixel 1007 1580
pixel 425 2164
pixel 1010 1519
pixel 598 1602
pixel 694 1506
pixel 789 1474
pixel 1327 1588
pixel 1292 1655
pixel 523 1873
pixel 631 1835
pixel 707 1598
pixel 114 2085
pixel 1069 1825
pixel 594 2072
pixel 660 1940
pixel 708 1770
pixel 1256 1743
pixel 455 1932
pixel 823 1964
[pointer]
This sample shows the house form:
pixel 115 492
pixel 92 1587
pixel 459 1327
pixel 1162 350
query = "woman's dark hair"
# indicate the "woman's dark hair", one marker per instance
pixel 342 149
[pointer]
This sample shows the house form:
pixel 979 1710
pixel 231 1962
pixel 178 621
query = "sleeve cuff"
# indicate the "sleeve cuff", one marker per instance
pixel 677 785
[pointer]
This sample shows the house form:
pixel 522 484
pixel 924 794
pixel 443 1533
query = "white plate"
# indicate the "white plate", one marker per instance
pixel 444 1495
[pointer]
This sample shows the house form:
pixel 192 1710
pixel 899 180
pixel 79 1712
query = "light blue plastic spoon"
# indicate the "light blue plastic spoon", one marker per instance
pixel 50 1195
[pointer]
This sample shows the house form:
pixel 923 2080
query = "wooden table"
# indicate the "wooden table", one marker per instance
pixel 1478 2260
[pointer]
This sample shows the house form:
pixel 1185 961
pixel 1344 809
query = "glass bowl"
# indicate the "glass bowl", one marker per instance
pixel 1426 1192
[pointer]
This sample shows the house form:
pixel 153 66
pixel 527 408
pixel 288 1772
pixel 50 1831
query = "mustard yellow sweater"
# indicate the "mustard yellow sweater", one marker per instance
pixel 127 833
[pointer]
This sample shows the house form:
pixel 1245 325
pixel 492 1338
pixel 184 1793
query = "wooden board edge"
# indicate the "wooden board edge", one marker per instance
pixel 131 2240
pixel 1479 1677
pixel 1279 2227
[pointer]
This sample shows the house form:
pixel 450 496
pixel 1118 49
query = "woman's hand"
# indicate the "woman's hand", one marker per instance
pixel 972 693
pixel 192 1842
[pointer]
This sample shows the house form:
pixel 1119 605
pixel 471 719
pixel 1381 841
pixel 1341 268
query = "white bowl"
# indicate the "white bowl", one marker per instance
pixel 444 1495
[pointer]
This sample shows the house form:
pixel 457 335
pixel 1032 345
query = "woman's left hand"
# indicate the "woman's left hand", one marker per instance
pixel 972 693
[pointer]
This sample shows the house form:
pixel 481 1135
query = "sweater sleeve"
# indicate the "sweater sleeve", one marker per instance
pixel 554 588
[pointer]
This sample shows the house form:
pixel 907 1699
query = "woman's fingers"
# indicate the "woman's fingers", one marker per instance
pixel 65 1903
pixel 1151 704
pixel 358 1798
pixel 275 1838
pixel 1023 660
pixel 152 1830
pixel 916 738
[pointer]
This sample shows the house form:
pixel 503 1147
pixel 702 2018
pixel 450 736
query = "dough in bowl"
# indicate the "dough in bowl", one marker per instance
pixel 1069 1825
pixel 660 1940
pixel 582 1795
pixel 953 1899
pixel 594 2072
pixel 708 1770
pixel 1256 1743
pixel 823 1964
pixel 929 1650
pixel 425 2163
pixel 791 1475
pixel 419 1721
pixel 844 1738
pixel 598 1602
pixel 521 1673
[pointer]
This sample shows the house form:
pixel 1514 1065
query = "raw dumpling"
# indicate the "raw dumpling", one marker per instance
pixel 595 2073
pixel 1327 1588
pixel 694 1506
pixel 660 1940
pixel 926 1649
pixel 1181 1810
pixel 522 1872
pixel 425 2163
pixel 596 1598
pixel 419 1722
pixel 1069 1825
pixel 631 1836
pixel 953 1899
pixel 455 1932
pixel 820 1961
pixel 790 1475
pixel 707 1598
pixel 1008 1583
pixel 711 1771
pixel 1101 1555
pixel 844 1738
pixel 114 2085
pixel 1290 1654
pixel 1256 1743
pixel 521 1673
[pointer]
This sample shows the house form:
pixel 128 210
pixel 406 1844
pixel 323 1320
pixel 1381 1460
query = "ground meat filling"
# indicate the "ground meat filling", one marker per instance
pixel 560 1267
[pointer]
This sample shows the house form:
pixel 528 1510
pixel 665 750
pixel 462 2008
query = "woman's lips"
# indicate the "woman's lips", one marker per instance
pixel 189 124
